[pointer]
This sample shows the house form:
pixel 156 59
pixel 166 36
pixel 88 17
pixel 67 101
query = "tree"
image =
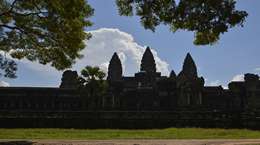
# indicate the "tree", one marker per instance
pixel 92 73
pixel 94 85
pixel 8 67
pixel 47 31
pixel 93 79
pixel 207 18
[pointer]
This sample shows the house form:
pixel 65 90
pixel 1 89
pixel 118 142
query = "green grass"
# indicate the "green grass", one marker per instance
pixel 170 133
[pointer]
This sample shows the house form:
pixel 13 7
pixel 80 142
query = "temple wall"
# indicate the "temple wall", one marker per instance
pixel 120 119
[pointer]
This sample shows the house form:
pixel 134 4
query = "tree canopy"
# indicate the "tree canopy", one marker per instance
pixel 47 31
pixel 92 73
pixel 207 18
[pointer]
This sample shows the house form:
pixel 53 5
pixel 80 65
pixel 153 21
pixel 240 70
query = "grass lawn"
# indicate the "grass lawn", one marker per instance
pixel 170 133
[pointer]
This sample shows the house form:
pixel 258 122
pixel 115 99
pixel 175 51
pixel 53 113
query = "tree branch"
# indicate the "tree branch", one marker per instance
pixel 28 14
pixel 10 11
pixel 12 27
pixel 11 8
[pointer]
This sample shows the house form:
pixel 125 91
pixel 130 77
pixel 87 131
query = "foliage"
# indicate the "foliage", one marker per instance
pixel 93 85
pixel 207 18
pixel 170 133
pixel 93 80
pixel 8 67
pixel 93 73
pixel 47 31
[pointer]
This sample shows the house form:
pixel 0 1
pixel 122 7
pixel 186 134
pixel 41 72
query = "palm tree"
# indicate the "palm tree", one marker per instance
pixel 94 84
pixel 93 73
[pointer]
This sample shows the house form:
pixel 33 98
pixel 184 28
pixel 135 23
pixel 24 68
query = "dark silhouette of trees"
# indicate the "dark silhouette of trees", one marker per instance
pixel 93 84
pixel 92 73
pixel 93 78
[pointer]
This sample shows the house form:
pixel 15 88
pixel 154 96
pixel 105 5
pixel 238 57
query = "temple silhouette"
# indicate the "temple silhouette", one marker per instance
pixel 145 100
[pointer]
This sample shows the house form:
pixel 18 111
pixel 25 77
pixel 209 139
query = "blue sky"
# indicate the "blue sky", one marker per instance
pixel 236 53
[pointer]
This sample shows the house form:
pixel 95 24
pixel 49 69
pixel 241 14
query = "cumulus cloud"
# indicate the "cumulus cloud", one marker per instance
pixel 4 84
pixel 106 41
pixel 215 83
pixel 238 78
pixel 45 70
pixel 225 87
pixel 99 50
pixel 257 69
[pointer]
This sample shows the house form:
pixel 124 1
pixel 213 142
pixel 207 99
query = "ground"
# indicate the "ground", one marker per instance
pixel 134 142
pixel 101 134
pixel 169 136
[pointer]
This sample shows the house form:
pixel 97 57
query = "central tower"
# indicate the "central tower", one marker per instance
pixel 148 63
pixel 114 69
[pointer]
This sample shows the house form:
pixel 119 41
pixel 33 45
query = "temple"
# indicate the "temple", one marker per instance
pixel 145 100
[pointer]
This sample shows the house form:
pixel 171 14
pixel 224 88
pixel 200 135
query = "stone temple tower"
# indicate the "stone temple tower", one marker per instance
pixel 172 75
pixel 189 84
pixel 114 69
pixel 148 63
pixel 189 68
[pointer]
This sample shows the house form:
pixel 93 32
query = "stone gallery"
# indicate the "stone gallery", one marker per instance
pixel 145 100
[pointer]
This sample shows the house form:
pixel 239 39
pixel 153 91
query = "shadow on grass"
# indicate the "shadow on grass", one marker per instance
pixel 16 143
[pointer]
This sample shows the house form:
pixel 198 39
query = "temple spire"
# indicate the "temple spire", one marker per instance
pixel 114 68
pixel 189 68
pixel 172 74
pixel 148 63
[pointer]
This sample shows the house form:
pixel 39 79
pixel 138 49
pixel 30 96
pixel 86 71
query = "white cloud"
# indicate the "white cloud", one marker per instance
pixel 106 41
pixel 215 83
pixel 45 70
pixel 99 50
pixel 4 84
pixel 225 87
pixel 238 78
pixel 257 69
